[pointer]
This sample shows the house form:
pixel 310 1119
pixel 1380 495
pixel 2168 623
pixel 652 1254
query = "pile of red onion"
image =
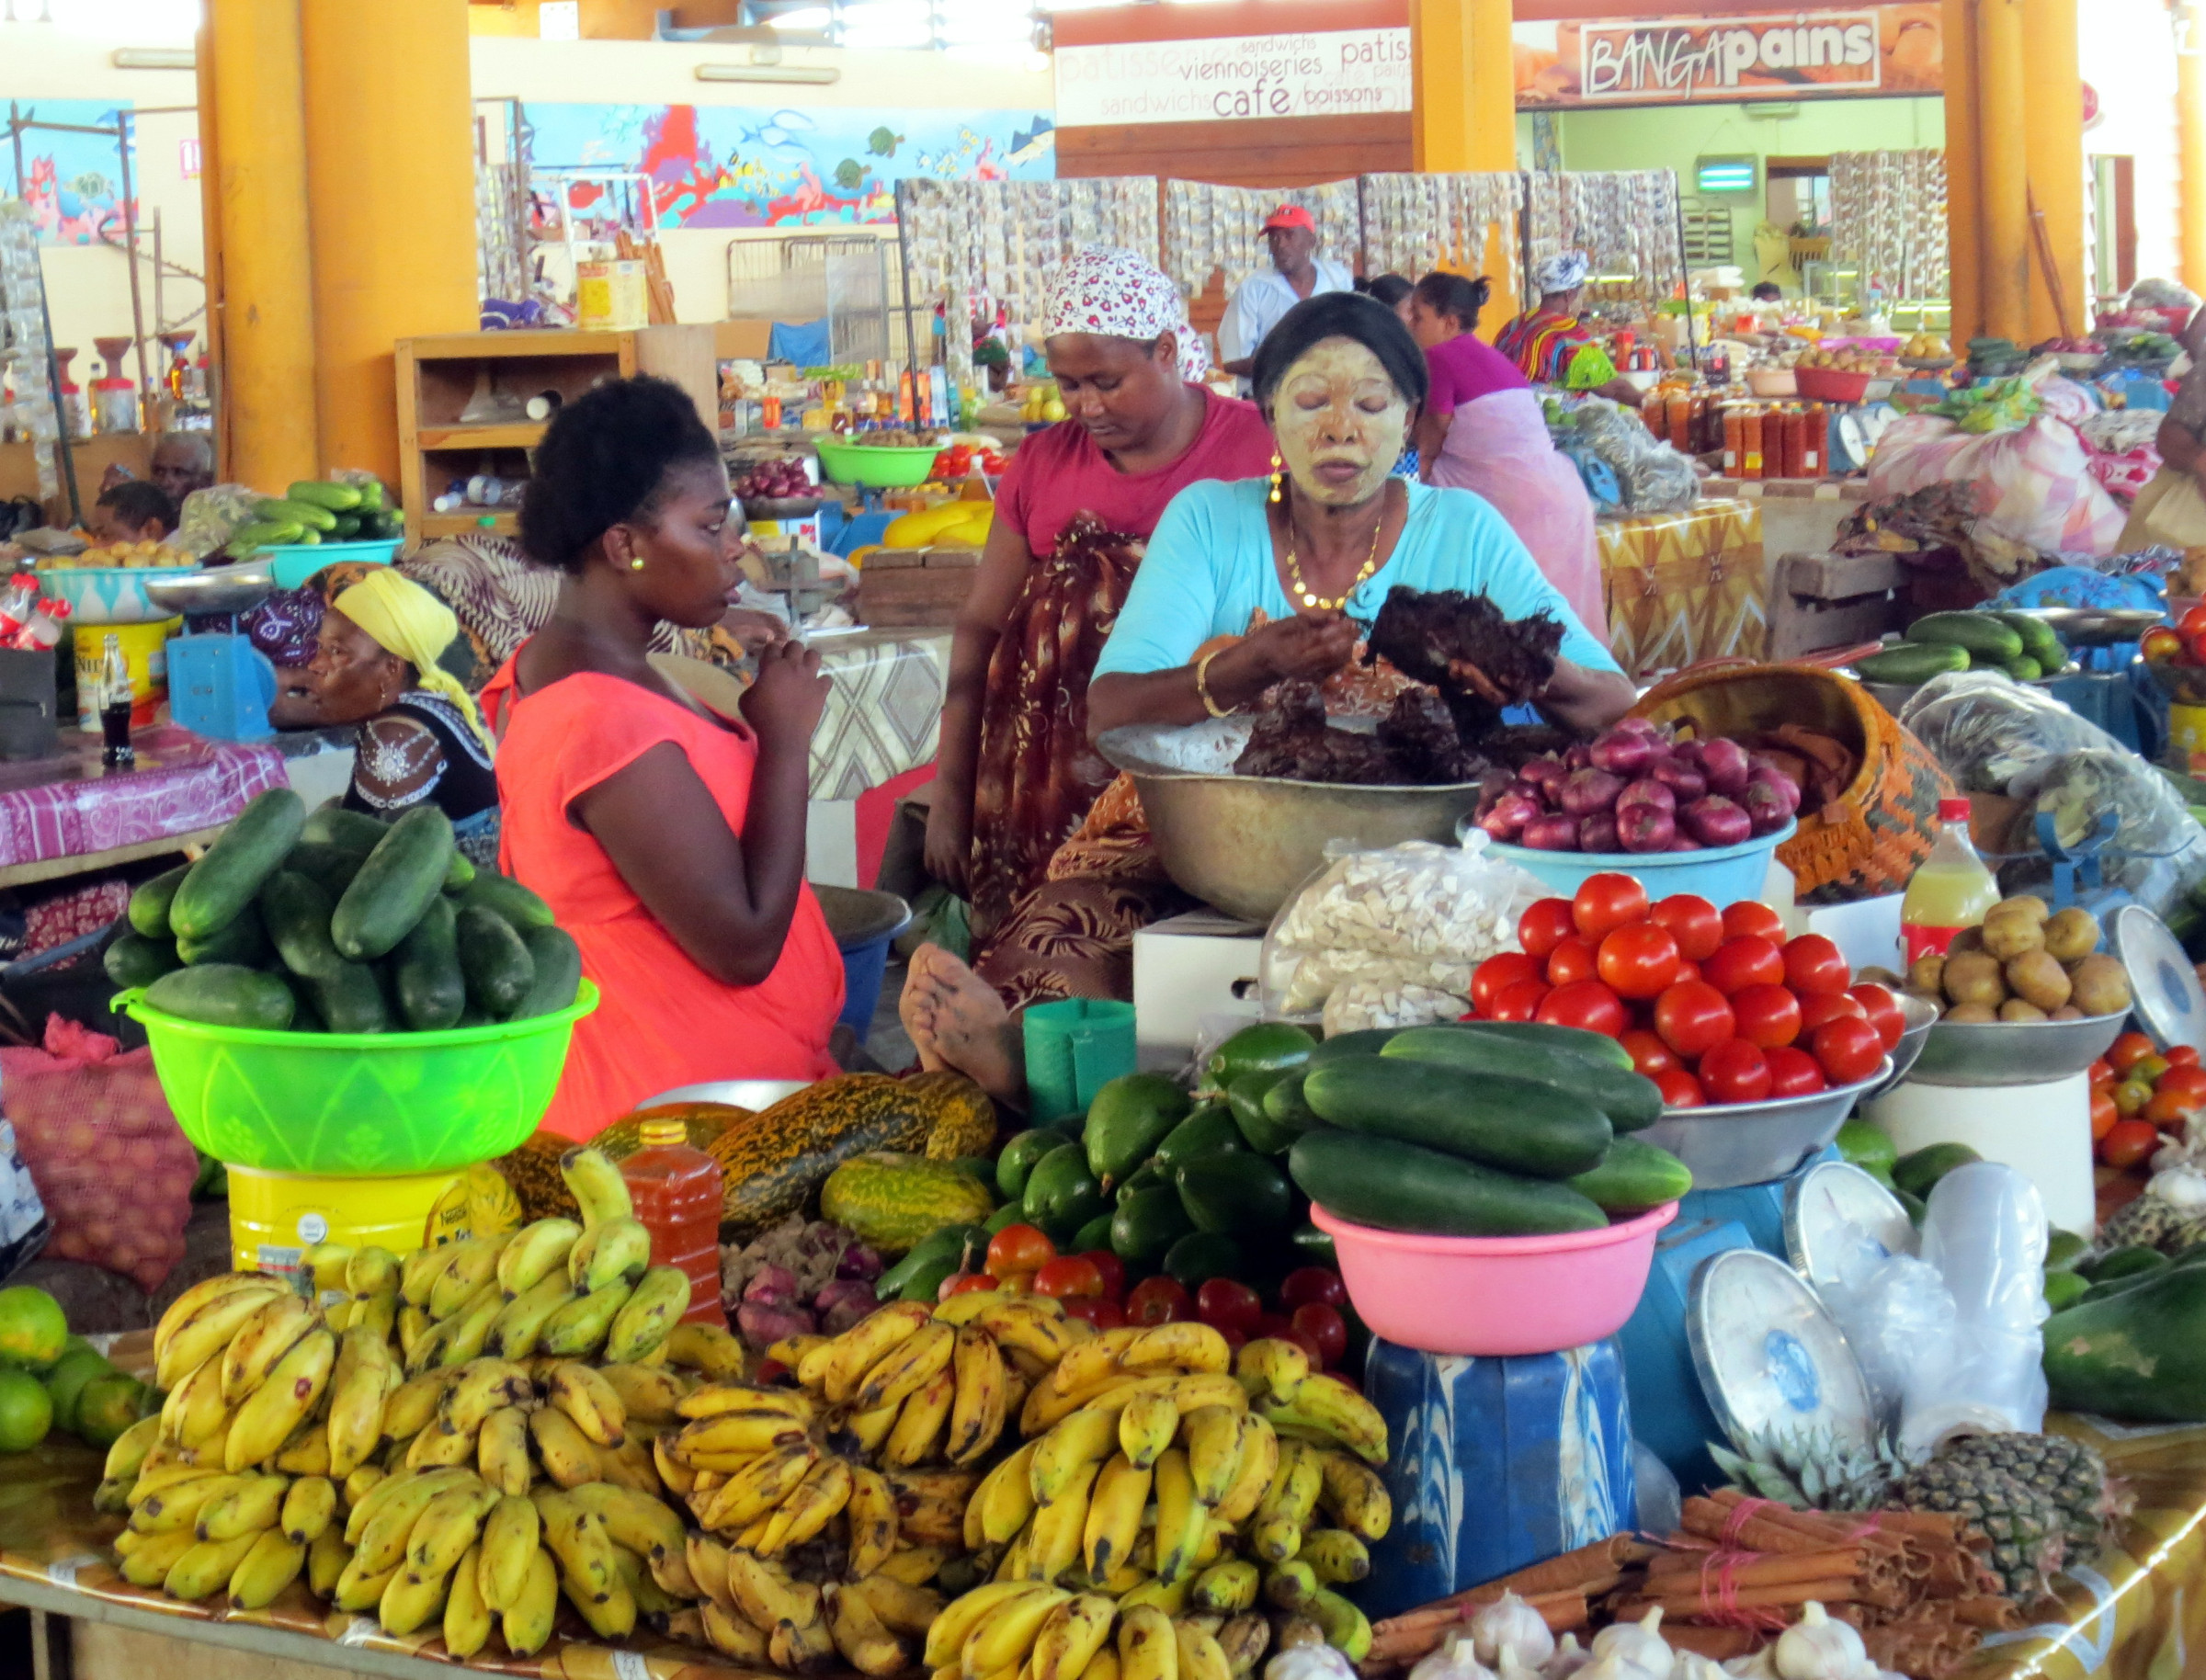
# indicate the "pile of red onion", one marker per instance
pixel 1634 790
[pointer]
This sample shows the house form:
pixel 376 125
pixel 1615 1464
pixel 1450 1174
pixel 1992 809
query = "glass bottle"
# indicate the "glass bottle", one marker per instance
pixel 677 1193
pixel 1951 891
pixel 116 699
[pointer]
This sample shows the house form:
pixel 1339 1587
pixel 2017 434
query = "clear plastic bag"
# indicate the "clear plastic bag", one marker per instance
pixel 1391 933
pixel 2158 854
pixel 1990 731
pixel 1986 1233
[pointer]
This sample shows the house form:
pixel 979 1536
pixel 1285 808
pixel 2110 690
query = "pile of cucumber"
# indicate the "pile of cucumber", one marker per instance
pixel 1477 1129
pixel 2022 646
pixel 317 510
pixel 338 923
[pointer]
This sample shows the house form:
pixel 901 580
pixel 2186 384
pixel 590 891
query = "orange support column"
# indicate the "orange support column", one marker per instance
pixel 2003 118
pixel 1463 114
pixel 1962 232
pixel 2190 133
pixel 390 134
pixel 2053 150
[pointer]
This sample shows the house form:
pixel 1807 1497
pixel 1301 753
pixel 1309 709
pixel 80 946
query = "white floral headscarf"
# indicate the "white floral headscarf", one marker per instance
pixel 1565 271
pixel 1104 289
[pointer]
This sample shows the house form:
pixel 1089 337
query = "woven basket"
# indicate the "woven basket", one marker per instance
pixel 1869 842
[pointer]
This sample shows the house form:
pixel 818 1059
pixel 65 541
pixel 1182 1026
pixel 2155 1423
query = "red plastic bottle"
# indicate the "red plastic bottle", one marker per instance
pixel 677 1192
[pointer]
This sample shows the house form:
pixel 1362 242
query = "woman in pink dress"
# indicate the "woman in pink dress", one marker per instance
pixel 1484 430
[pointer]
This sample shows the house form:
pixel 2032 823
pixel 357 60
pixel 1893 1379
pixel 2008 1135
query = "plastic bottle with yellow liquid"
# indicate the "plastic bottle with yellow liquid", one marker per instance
pixel 1951 891
pixel 677 1192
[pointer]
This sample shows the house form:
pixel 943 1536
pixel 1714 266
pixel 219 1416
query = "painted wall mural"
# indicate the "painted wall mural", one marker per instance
pixel 71 182
pixel 745 166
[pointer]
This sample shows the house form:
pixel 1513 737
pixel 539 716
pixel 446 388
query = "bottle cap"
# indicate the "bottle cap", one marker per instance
pixel 662 1134
pixel 1952 810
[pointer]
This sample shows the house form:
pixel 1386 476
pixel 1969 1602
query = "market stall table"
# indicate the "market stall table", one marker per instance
pixel 1685 587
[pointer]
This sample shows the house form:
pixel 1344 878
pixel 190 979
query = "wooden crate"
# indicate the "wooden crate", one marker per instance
pixel 900 588
pixel 1832 601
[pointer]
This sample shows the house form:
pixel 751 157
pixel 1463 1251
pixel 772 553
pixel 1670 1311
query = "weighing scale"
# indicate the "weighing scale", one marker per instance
pixel 220 685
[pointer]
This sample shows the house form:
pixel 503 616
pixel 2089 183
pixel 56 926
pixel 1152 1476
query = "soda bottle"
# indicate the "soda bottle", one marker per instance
pixel 117 698
pixel 677 1193
pixel 1950 891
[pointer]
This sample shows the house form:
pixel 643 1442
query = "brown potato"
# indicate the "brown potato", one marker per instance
pixel 1973 977
pixel 2067 1012
pixel 1968 940
pixel 1928 975
pixel 2037 979
pixel 2073 934
pixel 1878 975
pixel 2008 937
pixel 2024 903
pixel 2020 1009
pixel 2101 986
pixel 1978 1013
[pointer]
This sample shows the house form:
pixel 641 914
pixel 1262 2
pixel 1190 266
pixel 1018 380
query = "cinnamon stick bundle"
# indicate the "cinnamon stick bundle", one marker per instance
pixel 1587 1572
pixel 1403 1639
pixel 1994 1615
pixel 1667 1573
pixel 1717 1644
pixel 1693 1603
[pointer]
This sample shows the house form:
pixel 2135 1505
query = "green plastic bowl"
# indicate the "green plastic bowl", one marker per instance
pixel 358 1105
pixel 881 467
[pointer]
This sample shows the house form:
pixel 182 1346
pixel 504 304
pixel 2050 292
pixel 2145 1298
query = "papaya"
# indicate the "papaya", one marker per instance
pixel 2137 1356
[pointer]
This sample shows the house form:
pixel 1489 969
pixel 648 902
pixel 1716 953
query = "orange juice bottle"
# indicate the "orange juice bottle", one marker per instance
pixel 1951 891
pixel 677 1192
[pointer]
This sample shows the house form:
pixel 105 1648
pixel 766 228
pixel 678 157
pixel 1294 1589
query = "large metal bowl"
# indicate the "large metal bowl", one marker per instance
pixel 2013 1052
pixel 1243 843
pixel 1728 1144
pixel 1922 1015
pixel 237 588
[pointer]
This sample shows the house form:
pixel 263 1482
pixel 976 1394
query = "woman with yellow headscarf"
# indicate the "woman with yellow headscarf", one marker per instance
pixel 421 739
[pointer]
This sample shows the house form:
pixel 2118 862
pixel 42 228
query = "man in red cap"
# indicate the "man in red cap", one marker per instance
pixel 1296 272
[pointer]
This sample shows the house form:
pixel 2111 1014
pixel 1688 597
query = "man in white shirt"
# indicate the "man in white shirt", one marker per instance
pixel 1297 272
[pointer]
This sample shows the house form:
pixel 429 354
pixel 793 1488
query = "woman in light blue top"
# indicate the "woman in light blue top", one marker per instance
pixel 1317 546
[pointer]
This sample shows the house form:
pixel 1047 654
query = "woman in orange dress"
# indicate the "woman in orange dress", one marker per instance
pixel 669 840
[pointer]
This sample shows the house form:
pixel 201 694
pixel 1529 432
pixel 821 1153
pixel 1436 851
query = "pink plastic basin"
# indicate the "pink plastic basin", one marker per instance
pixel 1490 1296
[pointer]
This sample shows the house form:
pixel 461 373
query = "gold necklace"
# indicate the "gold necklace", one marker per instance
pixel 1308 596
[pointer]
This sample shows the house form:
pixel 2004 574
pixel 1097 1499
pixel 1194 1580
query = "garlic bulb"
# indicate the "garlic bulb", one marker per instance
pixel 1639 1644
pixel 1570 1657
pixel 2182 1187
pixel 1761 1665
pixel 1611 1665
pixel 1692 1665
pixel 1513 1667
pixel 1816 1648
pixel 1510 1624
pixel 1310 1662
pixel 1455 1660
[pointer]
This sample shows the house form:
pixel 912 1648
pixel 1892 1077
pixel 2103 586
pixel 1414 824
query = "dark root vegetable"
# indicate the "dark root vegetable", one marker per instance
pixel 1645 828
pixel 1724 764
pixel 1551 834
pixel 1622 752
pixel 1598 832
pixel 1716 820
pixel 1590 791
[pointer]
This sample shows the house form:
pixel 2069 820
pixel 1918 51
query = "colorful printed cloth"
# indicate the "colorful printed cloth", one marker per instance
pixel 1554 349
pixel 1104 289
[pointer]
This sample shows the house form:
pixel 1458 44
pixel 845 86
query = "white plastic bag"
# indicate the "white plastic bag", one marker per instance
pixel 1986 1233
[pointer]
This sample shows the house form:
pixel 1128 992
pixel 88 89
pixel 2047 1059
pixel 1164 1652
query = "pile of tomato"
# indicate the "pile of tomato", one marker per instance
pixel 961 461
pixel 1311 1307
pixel 2182 643
pixel 2139 1095
pixel 1714 1006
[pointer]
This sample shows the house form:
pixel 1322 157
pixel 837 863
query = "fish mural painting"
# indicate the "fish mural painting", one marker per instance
pixel 70 182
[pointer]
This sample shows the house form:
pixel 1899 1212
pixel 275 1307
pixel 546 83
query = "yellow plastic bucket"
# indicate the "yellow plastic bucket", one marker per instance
pixel 145 646
pixel 2187 739
pixel 274 1217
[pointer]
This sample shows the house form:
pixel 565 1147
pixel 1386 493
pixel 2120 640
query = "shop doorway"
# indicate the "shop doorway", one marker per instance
pixel 2113 244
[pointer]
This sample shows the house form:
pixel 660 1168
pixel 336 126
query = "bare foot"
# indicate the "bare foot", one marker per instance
pixel 957 1022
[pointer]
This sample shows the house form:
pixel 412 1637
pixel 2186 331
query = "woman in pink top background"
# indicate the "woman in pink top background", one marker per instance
pixel 1484 430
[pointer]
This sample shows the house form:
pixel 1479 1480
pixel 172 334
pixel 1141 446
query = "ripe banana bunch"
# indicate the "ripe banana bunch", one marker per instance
pixel 196 1530
pixel 1031 1629
pixel 756 1611
pixel 1309 1405
pixel 1120 1362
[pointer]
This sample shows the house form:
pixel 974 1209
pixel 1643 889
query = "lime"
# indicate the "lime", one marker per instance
pixel 26 1413
pixel 33 1332
pixel 66 1381
pixel 107 1405
pixel 1868 1147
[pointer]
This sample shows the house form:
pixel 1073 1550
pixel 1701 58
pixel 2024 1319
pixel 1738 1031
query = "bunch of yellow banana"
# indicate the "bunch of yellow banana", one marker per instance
pixel 196 1530
pixel 1309 1405
pixel 1023 1627
pixel 247 1363
pixel 756 1611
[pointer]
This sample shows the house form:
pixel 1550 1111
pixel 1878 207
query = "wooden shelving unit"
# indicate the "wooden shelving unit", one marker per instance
pixel 438 375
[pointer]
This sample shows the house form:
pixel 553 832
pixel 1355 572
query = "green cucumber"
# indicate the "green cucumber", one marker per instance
pixel 1595 1046
pixel 1269 1046
pixel 351 999
pixel 243 939
pixel 372 499
pixel 508 897
pixel 1630 1100
pixel 238 865
pixel 330 868
pixel 1518 1125
pixel 356 831
pixel 459 874
pixel 1392 1186
pixel 257 534
pixel 498 968
pixel 322 493
pixel 1983 635
pixel 1367 1041
pixel 223 995
pixel 135 961
pixel 150 903
pixel 2023 670
pixel 557 976
pixel 394 886
pixel 281 508
pixel 296 911
pixel 2039 640
pixel 424 971
pixel 1286 1107
pixel 1633 1176
pixel 1911 664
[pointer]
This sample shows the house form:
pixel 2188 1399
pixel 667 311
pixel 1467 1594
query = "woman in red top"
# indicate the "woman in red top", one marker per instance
pixel 668 839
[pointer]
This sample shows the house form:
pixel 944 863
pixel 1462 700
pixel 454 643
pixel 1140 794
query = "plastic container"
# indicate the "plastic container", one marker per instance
pixel 863 923
pixel 1074 1049
pixel 1830 385
pixel 276 1217
pixel 1487 1296
pixel 294 562
pixel 1951 891
pixel 358 1105
pixel 145 649
pixel 882 467
pixel 1721 874
pixel 105 594
pixel 678 1193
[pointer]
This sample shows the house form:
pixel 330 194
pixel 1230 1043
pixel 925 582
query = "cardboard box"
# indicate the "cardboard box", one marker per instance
pixel 1188 969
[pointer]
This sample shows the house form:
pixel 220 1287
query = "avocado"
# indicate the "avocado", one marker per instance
pixel 1236 1195
pixel 1061 1195
pixel 1128 1117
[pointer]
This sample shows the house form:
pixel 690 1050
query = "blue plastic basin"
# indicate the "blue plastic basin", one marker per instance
pixel 1723 875
pixel 864 924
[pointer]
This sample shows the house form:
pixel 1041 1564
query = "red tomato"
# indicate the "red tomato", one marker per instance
pixel 1225 1303
pixel 1650 1055
pixel 1605 903
pixel 2129 1142
pixel 1793 1072
pixel 1883 1009
pixel 1680 1089
pixel 1687 969
pixel 1096 1310
pixel 2168 1109
pixel 1520 1001
pixel 1497 973
pixel 2162 644
pixel 1749 918
pixel 1018 1248
pixel 1113 1270
pixel 1158 1300
pixel 1693 1018
pixel 1545 926
pixel 966 1283
pixel 2182 1081
pixel 1307 1342
pixel 1850 1051
pixel 1638 961
pixel 2179 1056
pixel 1311 1286
pixel 1068 1275
pixel 1573 960
pixel 1822 1006
pixel 2105 1115
pixel 1587 1003
pixel 2193 621
pixel 1015 1283
pixel 1735 1072
pixel 2128 1051
pixel 1814 965
pixel 2102 1073
pixel 1747 960
pixel 1324 1326
pixel 1767 1015
pixel 1694 922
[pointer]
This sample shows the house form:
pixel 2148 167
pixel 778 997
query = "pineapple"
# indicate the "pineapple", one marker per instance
pixel 2026 1527
pixel 1815 1472
pixel 2066 1471
pixel 2146 1222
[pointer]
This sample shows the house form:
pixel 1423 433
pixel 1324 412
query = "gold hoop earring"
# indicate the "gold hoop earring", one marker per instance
pixel 1276 475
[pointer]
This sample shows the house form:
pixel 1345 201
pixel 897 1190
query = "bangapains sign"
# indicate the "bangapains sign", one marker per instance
pixel 1823 54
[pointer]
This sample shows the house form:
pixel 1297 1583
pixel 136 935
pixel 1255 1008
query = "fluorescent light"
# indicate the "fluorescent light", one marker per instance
pixel 155 58
pixel 818 76
pixel 803 18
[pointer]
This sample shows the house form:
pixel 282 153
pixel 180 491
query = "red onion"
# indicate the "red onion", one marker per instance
pixel 762 1325
pixel 1623 752
pixel 1509 815
pixel 1546 773
pixel 1643 726
pixel 1787 788
pixel 1590 790
pixel 1689 752
pixel 1646 791
pixel 776 1286
pixel 1765 803
pixel 1680 777
pixel 1686 843
pixel 1598 832
pixel 1716 820
pixel 1724 764
pixel 1578 759
pixel 1556 834
pixel 858 1262
pixel 1645 828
